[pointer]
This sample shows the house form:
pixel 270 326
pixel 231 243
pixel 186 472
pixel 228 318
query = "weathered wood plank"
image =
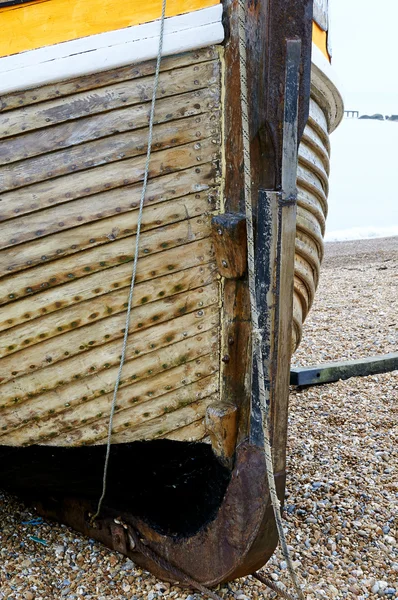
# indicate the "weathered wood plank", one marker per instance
pixel 78 237
pixel 194 432
pixel 235 363
pixel 95 286
pixel 90 82
pixel 205 389
pixel 126 93
pixel 85 417
pixel 230 245
pixel 158 427
pixel 85 360
pixel 81 314
pixel 105 124
pixel 287 209
pixel 106 204
pixel 64 319
pixel 334 371
pixel 54 403
pixel 107 177
pixel 102 258
pixel 118 147
pixel 221 422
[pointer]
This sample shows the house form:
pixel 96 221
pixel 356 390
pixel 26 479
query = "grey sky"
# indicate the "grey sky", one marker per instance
pixel 364 39
pixel 363 161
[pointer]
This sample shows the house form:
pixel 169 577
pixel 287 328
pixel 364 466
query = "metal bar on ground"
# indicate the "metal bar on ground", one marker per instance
pixel 333 371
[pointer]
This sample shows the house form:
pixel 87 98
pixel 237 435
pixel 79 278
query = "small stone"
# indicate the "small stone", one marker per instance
pixel 390 591
pixel 59 550
pixel 29 596
pixel 311 520
pixel 354 589
pixel 283 565
pixel 26 563
pixel 241 597
pixel 113 560
pixel 151 596
pixel 334 592
pixel 386 529
pixel 390 540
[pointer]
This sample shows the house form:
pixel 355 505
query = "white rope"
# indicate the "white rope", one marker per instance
pixel 256 331
pixel 136 251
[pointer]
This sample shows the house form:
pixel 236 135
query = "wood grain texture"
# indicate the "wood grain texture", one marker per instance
pixel 229 238
pixel 87 361
pixel 107 123
pixel 59 298
pixel 108 177
pixel 72 165
pixel 126 93
pixel 96 80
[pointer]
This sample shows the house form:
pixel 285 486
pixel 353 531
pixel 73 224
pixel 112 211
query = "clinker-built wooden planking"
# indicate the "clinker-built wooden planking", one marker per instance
pixel 71 163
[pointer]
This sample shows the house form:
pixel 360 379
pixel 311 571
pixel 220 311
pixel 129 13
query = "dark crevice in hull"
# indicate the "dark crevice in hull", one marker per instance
pixel 175 487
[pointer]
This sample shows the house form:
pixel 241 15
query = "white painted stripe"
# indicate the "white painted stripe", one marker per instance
pixel 328 88
pixel 110 50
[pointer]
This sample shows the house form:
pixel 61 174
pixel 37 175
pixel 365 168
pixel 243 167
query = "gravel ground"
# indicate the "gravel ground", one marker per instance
pixel 341 508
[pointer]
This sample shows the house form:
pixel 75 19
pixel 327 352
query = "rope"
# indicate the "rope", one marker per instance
pixel 257 333
pixel 273 586
pixel 137 242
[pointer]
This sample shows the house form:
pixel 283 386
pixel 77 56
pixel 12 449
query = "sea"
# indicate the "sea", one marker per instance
pixel 363 197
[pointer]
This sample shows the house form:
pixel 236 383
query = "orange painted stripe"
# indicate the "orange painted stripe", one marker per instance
pixel 47 22
pixel 319 37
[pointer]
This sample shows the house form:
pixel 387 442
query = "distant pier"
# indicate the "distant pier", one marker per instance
pixel 354 114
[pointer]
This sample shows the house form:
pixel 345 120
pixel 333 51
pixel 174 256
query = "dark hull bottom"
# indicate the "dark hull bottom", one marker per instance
pixel 165 499
pixel 175 487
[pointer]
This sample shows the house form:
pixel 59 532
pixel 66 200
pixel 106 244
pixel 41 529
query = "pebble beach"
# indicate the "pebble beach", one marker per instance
pixel 341 506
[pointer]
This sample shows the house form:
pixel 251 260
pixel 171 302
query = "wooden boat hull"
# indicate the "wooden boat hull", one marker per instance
pixel 66 256
pixel 72 163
